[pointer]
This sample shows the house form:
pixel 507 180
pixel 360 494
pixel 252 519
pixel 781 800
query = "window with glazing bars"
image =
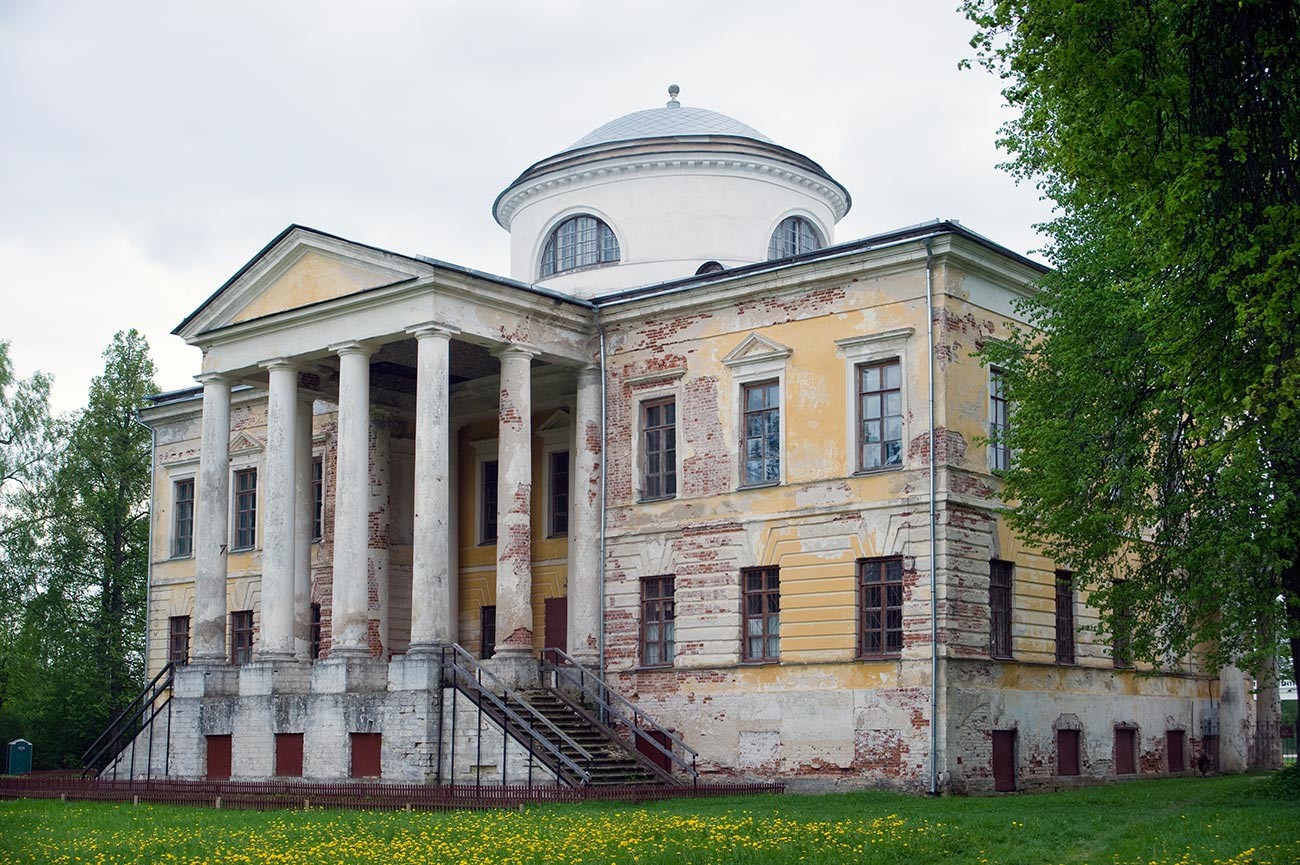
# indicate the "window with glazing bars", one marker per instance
pixel 317 499
pixel 580 241
pixel 314 635
pixel 487 631
pixel 559 515
pixel 761 439
pixel 659 449
pixel 657 629
pixel 880 415
pixel 880 601
pixel 178 639
pixel 245 509
pixel 1000 573
pixel 793 236
pixel 487 501
pixel 999 420
pixel 241 637
pixel 1064 618
pixel 761 596
pixel 183 525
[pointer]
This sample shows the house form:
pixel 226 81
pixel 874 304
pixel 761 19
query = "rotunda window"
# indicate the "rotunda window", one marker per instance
pixel 795 235
pixel 579 241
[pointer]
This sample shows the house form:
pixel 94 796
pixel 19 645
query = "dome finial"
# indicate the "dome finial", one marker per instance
pixel 673 90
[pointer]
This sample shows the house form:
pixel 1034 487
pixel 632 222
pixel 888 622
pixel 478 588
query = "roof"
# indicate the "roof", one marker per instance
pixel 667 122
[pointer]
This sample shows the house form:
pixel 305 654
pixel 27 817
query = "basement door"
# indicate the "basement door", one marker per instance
pixel 556 630
pixel 1004 760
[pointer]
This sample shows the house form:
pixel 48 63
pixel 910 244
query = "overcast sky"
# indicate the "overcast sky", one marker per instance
pixel 148 149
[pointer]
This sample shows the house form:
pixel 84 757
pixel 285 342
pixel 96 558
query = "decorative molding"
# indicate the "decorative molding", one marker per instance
pixel 670 374
pixel 243 443
pixel 755 349
pixel 856 345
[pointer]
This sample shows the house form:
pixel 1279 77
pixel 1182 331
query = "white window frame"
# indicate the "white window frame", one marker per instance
pixel 318 453
pixel 756 360
pixel 485 451
pixel 857 351
pixel 557 435
pixel 189 473
pixel 655 387
pixel 992 447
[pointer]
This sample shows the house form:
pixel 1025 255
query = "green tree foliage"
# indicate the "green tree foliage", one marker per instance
pixel 1158 399
pixel 75 541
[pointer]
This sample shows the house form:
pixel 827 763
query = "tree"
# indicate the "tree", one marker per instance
pixel 1157 401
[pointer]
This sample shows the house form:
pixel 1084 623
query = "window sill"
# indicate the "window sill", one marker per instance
pixel 767 662
pixel 993 657
pixel 558 537
pixel 178 557
pixel 491 543
pixel 879 470
pixel 892 657
pixel 652 668
pixel 242 549
pixel 762 486
pixel 656 499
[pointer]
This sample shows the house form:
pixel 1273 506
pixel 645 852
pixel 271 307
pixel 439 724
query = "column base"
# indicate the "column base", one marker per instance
pixel 349 675
pixel 265 676
pixel 516 668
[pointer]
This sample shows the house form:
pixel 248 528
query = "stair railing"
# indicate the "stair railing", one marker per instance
pixel 128 724
pixel 611 703
pixel 464 673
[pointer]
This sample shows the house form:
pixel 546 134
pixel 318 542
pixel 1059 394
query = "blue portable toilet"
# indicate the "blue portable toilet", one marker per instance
pixel 20 757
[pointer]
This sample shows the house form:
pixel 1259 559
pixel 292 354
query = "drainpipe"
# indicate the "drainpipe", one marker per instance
pixel 604 444
pixel 934 561
pixel 148 570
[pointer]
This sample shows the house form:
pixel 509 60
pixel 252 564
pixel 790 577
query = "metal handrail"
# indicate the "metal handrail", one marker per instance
pixel 571 665
pixel 476 670
pixel 130 714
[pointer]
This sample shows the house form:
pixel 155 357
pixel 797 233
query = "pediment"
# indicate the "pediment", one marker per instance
pixel 756 348
pixel 243 443
pixel 300 268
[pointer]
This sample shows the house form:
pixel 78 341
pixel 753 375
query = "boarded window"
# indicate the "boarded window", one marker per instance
pixel 880 415
pixel 1067 752
pixel 183 523
pixel 1175 742
pixel 1125 751
pixel 487 502
pixel 1000 575
pixel 487 631
pixel 315 631
pixel 559 481
pixel 761 597
pixel 1064 618
pixel 760 440
pixel 288 755
pixel 366 748
pixel 1004 760
pixel 178 639
pixel 218 758
pixel 245 509
pixel 880 599
pixel 657 621
pixel 317 498
pixel 659 449
pixel 241 637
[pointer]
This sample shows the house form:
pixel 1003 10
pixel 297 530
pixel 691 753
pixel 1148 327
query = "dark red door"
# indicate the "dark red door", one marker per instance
pixel 556 631
pixel 1004 760
pixel 653 754
pixel 1125 751
pixel 218 758
pixel 288 755
pixel 1174 745
pixel 366 751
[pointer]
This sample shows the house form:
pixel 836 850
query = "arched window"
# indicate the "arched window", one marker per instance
pixel 793 236
pixel 579 241
pixel 709 267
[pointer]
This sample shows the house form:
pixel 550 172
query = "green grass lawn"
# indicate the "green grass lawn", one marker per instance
pixel 1235 820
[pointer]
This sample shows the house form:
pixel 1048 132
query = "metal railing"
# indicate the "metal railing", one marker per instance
pixel 608 702
pixel 462 672
pixel 129 724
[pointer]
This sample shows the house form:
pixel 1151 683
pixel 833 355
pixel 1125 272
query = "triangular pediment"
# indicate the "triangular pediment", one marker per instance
pixel 559 420
pixel 243 443
pixel 299 268
pixel 756 348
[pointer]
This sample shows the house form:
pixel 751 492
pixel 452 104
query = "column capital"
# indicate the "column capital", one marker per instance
pixel 515 350
pixel 281 363
pixel 588 372
pixel 353 347
pixel 215 378
pixel 432 328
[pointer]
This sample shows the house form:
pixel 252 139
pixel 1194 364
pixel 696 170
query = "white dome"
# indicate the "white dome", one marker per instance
pixel 667 122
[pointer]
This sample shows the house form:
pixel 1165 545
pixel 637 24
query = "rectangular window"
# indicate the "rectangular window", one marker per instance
pixel 1000 608
pixel 1064 618
pixel 288 755
pixel 241 637
pixel 1121 652
pixel 559 480
pixel 657 628
pixel 487 631
pixel 183 524
pixel 487 503
pixel 761 597
pixel 880 601
pixel 1175 747
pixel 880 415
pixel 317 498
pixel 178 639
pixel 367 751
pixel 245 509
pixel 1067 752
pixel 760 444
pixel 1125 751
pixel 659 449
pixel 314 634
pixel 999 422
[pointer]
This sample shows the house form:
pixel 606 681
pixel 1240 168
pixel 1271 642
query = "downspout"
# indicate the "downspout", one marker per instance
pixel 600 566
pixel 934 562
pixel 148 570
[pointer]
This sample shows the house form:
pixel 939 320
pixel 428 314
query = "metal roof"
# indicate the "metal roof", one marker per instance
pixel 667 122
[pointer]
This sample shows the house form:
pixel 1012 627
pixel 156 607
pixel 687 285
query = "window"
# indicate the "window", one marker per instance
pixel 183 524
pixel 241 637
pixel 1000 608
pixel 761 434
pixel 880 601
pixel 487 631
pixel 657 630
pixel 1067 752
pixel 659 449
pixel 1175 742
pixel 999 451
pixel 580 241
pixel 1064 618
pixel 487 502
pixel 559 481
pixel 761 596
pixel 245 509
pixel 880 415
pixel 178 639
pixel 793 236
pixel 1125 751
pixel 317 498
pixel 1121 652
pixel 314 631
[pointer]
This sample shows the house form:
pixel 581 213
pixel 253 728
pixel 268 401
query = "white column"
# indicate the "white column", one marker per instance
pixel 514 506
pixel 431 612
pixel 584 522
pixel 212 523
pixel 303 516
pixel 351 504
pixel 278 502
